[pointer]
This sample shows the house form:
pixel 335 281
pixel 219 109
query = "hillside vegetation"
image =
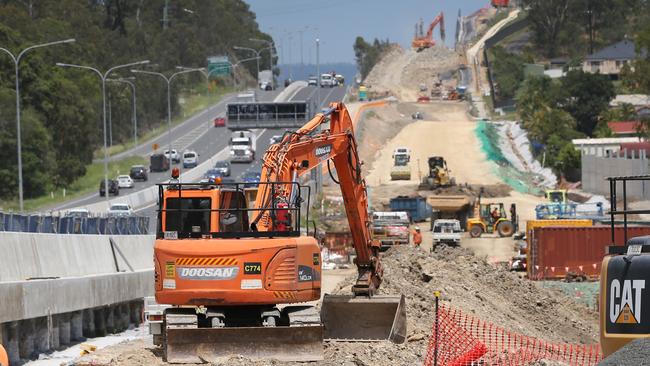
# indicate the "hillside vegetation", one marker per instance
pixel 61 108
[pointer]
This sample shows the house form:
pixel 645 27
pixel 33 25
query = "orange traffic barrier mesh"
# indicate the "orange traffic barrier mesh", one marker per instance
pixel 458 339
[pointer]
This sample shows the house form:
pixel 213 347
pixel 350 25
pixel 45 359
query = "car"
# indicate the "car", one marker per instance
pixel 275 139
pixel 266 85
pixel 190 159
pixel 219 122
pixel 174 156
pixel 158 163
pixel 312 81
pixel 81 213
pixel 125 181
pixel 326 80
pixel 139 172
pixel 119 210
pixel 223 167
pixel 211 175
pixel 251 179
pixel 113 188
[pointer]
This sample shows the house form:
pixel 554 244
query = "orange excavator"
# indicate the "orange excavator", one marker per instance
pixel 422 41
pixel 230 272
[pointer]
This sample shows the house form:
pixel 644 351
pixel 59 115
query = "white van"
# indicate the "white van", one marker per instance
pixel 326 80
pixel 190 159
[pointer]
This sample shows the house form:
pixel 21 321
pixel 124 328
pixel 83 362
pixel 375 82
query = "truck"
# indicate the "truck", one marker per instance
pixel 416 206
pixel 242 146
pixel 446 231
pixel 401 169
pixel 265 80
pixel 391 228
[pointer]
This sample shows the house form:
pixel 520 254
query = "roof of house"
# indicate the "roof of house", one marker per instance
pixel 623 50
pixel 622 127
pixel 634 99
pixel 604 141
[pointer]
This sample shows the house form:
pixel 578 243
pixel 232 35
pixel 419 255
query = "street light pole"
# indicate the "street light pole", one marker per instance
pixel 16 59
pixel 318 86
pixel 103 77
pixel 135 107
pixel 168 80
pixel 257 54
pixel 271 46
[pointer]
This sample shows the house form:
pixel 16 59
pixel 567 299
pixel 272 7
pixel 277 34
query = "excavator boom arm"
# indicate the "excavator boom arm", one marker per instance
pixel 306 149
pixel 440 19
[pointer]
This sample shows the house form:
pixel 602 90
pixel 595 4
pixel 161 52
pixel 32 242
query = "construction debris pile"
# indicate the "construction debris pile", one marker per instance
pixel 474 286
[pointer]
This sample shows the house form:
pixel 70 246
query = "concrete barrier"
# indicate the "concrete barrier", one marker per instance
pixel 54 288
pixel 33 255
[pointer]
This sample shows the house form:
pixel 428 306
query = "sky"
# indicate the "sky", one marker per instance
pixel 337 23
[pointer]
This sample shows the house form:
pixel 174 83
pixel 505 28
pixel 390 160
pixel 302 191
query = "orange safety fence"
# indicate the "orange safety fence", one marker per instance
pixel 458 339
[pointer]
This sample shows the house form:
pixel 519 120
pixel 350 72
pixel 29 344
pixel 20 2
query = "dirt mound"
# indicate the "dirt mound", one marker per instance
pixel 474 286
pixel 400 72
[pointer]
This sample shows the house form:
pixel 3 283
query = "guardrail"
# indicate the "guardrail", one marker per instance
pixel 52 224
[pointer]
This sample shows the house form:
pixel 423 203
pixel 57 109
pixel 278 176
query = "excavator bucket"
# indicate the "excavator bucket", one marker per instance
pixel 216 345
pixel 379 318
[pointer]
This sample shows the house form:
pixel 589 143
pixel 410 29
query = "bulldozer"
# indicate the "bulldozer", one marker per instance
pixel 236 276
pixel 438 175
pixel 492 218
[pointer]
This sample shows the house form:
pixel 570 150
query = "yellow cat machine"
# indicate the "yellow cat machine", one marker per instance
pixel 625 277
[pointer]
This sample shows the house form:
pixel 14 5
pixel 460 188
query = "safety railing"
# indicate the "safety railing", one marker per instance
pixel 61 224
pixel 460 339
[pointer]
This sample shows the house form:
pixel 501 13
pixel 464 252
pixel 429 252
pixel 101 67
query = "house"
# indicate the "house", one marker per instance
pixel 623 128
pixel 610 60
pixel 608 146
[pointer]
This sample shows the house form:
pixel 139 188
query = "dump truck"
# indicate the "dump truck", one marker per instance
pixel 401 169
pixel 438 174
pixel 459 207
pixel 391 228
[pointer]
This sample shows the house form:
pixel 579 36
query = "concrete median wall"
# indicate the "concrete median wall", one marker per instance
pixel 33 255
pixel 54 288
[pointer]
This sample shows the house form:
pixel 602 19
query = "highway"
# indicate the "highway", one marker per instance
pixel 198 134
pixel 328 95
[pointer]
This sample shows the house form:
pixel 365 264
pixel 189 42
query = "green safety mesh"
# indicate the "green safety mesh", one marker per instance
pixel 520 181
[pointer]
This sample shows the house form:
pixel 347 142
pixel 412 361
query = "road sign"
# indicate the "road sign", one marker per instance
pixel 218 65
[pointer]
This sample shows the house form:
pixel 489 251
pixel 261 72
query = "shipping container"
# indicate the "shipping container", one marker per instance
pixel 416 206
pixel 533 224
pixel 555 251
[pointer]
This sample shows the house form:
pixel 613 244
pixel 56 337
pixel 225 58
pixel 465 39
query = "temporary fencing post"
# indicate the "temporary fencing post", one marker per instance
pixel 435 351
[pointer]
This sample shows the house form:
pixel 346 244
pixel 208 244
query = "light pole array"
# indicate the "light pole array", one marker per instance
pixel 168 80
pixel 103 77
pixel 16 59
pixel 270 47
pixel 257 57
pixel 318 86
pixel 134 113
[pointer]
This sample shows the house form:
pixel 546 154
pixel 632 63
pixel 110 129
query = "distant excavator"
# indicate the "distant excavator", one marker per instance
pixel 421 40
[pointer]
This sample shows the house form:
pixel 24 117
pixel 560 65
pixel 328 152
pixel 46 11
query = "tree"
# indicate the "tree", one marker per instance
pixel 508 71
pixel 588 96
pixel 547 18
pixel 367 55
pixel 536 93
